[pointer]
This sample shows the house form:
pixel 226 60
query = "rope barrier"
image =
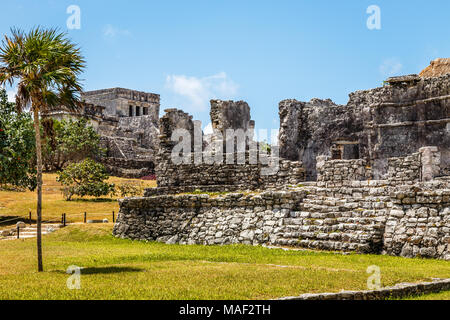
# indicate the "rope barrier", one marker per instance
pixel 55 219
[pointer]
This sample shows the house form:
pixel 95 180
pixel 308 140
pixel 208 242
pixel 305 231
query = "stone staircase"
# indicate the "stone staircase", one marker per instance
pixel 31 231
pixel 346 221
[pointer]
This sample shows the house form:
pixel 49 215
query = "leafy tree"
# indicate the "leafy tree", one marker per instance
pixel 69 141
pixel 85 178
pixel 16 146
pixel 46 66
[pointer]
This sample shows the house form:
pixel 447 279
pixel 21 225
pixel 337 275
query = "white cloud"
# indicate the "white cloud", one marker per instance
pixel 11 96
pixel 390 67
pixel 111 31
pixel 198 91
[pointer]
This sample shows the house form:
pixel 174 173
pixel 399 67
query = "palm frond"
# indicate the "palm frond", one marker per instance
pixel 47 66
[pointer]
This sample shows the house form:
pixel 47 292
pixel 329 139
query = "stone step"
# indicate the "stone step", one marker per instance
pixel 316 207
pixel 34 229
pixel 20 237
pixel 313 227
pixel 324 245
pixel 53 225
pixel 327 201
pixel 31 231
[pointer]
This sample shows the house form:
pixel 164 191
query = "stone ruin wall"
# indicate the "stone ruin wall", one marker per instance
pixel 173 179
pixel 130 141
pixel 392 121
pixel 143 129
pixel 371 216
pixel 345 210
pixel 418 223
pixel 225 176
pixel 405 169
pixel 128 168
pixel 420 166
pixel 380 187
pixel 230 115
pixel 117 102
pixel 339 170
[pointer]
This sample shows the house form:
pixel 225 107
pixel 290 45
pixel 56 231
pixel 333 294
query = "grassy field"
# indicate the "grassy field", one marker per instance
pixel 125 269
pixel 18 204
pixel 434 296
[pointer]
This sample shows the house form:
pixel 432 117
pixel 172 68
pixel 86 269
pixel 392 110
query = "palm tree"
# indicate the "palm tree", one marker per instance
pixel 46 66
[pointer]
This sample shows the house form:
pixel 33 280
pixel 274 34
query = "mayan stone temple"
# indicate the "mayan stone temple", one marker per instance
pixel 370 176
pixel 127 122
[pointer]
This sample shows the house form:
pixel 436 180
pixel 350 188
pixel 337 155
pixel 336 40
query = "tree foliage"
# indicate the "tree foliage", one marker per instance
pixel 17 146
pixel 85 178
pixel 69 141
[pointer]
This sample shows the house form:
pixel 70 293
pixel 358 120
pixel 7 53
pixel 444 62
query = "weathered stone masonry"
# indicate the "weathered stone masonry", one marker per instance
pixel 372 219
pixel 372 216
pixel 392 121
pixel 127 122
pixel 418 224
pixel 120 102
pixel 422 165
pixel 380 167
pixel 224 176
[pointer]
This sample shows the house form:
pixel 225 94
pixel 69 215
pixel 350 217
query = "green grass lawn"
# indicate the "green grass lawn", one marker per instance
pixel 434 296
pixel 125 269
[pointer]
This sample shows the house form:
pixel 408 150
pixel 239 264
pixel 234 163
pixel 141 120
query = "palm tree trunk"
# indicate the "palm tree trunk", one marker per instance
pixel 39 187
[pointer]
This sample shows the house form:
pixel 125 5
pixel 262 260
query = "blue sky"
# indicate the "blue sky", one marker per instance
pixel 258 51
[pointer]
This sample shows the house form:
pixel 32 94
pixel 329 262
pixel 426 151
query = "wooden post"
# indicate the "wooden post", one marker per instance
pixel 29 217
pixel 64 215
pixel 85 217
pixel 113 217
pixel 62 219
pixel 18 232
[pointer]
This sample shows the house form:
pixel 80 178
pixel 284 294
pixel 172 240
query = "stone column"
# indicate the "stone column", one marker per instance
pixel 165 169
pixel 431 160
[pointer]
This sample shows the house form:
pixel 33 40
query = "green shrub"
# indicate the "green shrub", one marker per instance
pixel 130 189
pixel 85 178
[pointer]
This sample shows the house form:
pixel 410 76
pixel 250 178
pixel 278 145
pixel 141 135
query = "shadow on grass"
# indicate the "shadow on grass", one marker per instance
pixel 93 200
pixel 7 221
pixel 14 219
pixel 108 270
pixel 104 270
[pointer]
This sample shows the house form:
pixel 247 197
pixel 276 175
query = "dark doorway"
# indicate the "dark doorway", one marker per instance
pixel 351 151
pixel 336 152
pixel 345 150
